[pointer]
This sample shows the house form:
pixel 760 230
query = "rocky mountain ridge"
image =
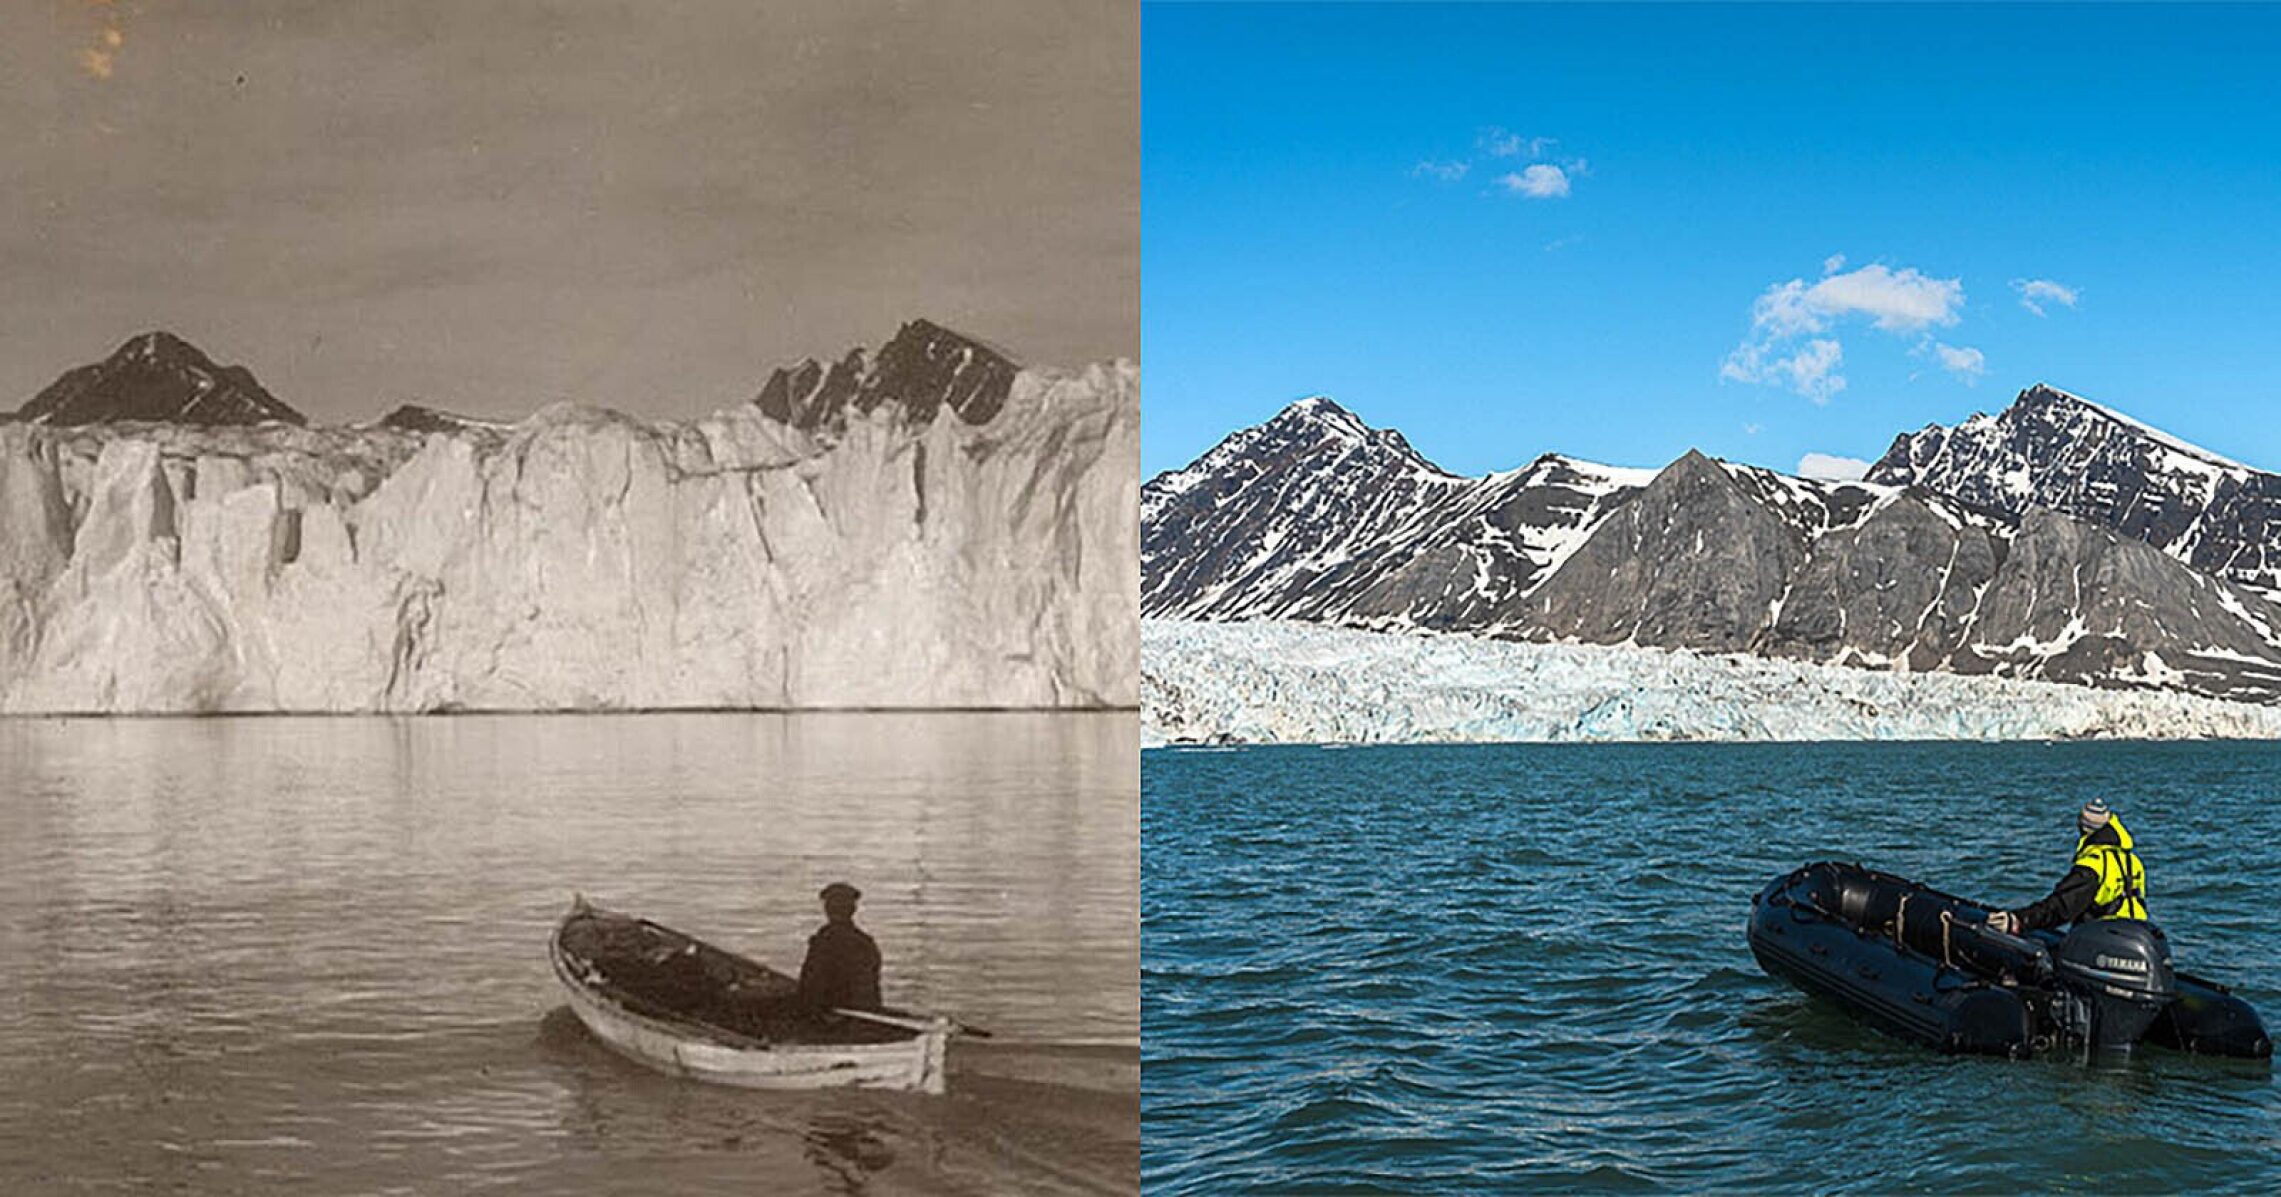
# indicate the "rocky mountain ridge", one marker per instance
pixel 2059 451
pixel 924 369
pixel 1312 516
pixel 157 376
pixel 1315 515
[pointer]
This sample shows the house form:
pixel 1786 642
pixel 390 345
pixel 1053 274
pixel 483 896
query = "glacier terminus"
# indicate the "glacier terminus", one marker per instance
pixel 930 526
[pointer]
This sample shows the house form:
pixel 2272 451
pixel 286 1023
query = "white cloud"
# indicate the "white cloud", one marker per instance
pixel 1783 312
pixel 1501 143
pixel 1559 243
pixel 1540 180
pixel 2036 292
pixel 1811 371
pixel 1967 364
pixel 1833 468
pixel 1899 301
pixel 1894 301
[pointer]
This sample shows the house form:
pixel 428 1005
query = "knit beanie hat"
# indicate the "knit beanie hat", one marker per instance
pixel 2092 817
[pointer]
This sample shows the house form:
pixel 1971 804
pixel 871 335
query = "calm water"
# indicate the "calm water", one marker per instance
pixel 309 954
pixel 1494 967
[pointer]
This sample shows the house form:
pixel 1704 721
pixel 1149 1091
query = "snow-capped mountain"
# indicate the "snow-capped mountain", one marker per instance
pixel 1315 516
pixel 2057 450
pixel 157 376
pixel 582 559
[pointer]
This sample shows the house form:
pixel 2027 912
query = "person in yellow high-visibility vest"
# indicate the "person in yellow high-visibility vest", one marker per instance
pixel 2106 881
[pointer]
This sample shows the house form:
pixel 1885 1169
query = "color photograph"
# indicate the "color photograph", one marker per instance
pixel 1711 597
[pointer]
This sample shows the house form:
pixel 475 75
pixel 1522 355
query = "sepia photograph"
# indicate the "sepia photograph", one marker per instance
pixel 1711 598
pixel 569 597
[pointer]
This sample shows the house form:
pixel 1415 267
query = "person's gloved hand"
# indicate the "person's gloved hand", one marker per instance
pixel 2004 921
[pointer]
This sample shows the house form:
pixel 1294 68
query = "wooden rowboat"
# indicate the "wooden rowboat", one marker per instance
pixel 684 1007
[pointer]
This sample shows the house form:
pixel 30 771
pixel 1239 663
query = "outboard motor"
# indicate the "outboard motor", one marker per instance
pixel 2114 979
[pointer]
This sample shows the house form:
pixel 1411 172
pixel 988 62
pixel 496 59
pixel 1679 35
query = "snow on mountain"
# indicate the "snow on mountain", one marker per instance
pixel 2057 450
pixel 1315 516
pixel 925 368
pixel 582 559
pixel 1283 682
pixel 157 376
pixel 414 417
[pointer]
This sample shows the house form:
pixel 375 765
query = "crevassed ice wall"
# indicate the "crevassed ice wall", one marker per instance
pixel 580 560
pixel 1289 682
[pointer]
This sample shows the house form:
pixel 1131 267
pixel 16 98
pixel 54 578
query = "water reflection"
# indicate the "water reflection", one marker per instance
pixel 848 1149
pixel 278 953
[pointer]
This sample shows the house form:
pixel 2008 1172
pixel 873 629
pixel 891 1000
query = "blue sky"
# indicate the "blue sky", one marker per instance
pixel 1620 232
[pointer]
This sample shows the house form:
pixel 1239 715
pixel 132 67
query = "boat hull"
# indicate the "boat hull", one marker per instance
pixel 687 1048
pixel 1907 995
pixel 1915 963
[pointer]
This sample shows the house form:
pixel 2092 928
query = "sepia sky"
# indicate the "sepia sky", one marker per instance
pixel 491 206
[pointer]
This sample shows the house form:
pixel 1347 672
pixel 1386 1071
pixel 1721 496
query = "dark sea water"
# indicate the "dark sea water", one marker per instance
pixel 1486 968
pixel 309 955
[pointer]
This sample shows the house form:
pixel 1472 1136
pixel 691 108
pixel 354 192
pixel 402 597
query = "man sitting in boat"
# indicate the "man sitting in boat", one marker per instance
pixel 2105 882
pixel 842 968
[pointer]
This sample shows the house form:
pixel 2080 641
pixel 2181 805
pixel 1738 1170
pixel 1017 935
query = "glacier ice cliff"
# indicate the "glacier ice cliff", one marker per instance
pixel 1294 682
pixel 581 559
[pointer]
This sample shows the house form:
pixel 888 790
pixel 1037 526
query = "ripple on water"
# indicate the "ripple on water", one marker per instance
pixel 1523 966
pixel 307 955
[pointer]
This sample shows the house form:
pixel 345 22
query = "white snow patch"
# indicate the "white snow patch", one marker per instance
pixel 2159 436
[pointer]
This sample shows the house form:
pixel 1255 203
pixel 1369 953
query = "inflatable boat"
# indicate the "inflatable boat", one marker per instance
pixel 1922 965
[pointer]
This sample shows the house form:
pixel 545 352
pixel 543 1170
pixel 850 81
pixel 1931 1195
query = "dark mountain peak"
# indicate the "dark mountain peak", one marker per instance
pixel 416 417
pixel 2055 449
pixel 925 368
pixel 159 345
pixel 1317 417
pixel 1319 422
pixel 927 338
pixel 2043 395
pixel 2063 416
pixel 157 376
pixel 1693 464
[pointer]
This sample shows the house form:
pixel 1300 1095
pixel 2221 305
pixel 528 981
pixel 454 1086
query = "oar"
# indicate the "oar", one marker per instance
pixel 915 1024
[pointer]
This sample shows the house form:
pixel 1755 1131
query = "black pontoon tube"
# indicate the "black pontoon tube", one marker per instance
pixel 1921 964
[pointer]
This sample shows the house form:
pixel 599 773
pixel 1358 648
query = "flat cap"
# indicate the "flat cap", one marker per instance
pixel 840 889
